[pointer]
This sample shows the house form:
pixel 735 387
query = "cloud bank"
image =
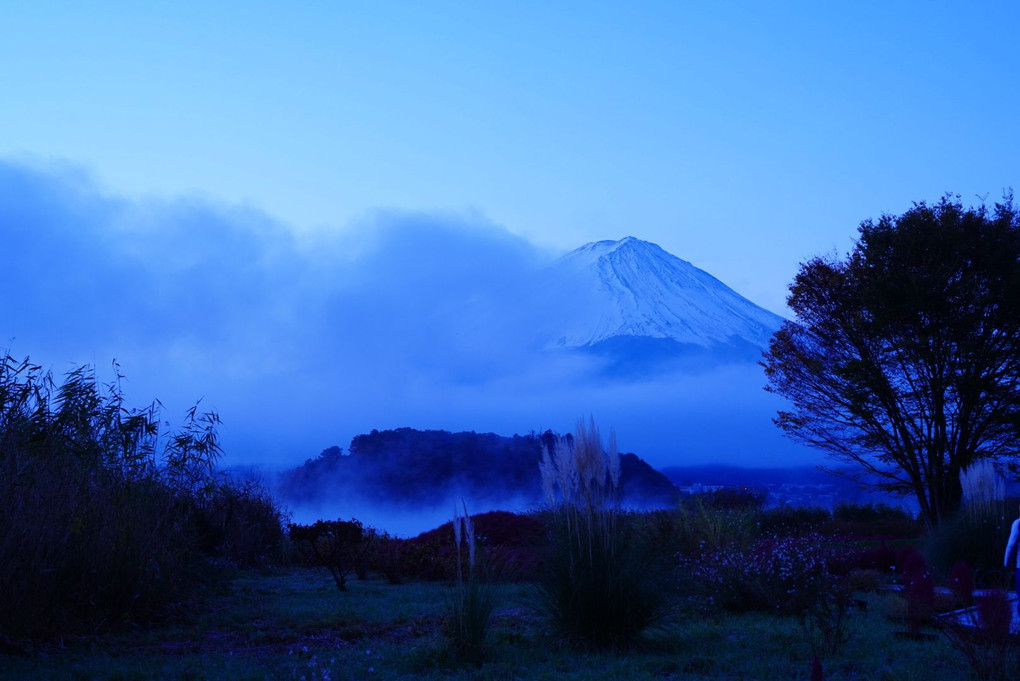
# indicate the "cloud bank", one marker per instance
pixel 303 340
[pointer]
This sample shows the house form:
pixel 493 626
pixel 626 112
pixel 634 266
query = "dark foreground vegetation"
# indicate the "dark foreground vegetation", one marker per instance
pixel 292 624
pixel 751 596
pixel 109 517
pixel 125 554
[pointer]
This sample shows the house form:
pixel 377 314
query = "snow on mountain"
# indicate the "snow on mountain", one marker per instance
pixel 633 289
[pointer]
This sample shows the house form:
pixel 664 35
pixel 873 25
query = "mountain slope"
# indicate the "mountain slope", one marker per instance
pixel 640 290
pixel 638 306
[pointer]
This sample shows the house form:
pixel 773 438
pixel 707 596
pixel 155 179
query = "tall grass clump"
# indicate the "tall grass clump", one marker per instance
pixel 473 600
pixel 598 588
pixel 978 532
pixel 984 490
pixel 104 512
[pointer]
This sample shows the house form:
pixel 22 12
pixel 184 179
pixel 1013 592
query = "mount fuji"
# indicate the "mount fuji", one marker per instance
pixel 638 307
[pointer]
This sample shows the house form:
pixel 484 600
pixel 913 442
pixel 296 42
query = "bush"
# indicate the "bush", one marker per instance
pixel 778 574
pixel 734 498
pixel 874 521
pixel 826 620
pixel 514 545
pixel 337 545
pixel 239 521
pixel 429 556
pixel 977 538
pixel 387 557
pixel 961 583
pixel 699 528
pixel 919 586
pixel 984 638
pixel 792 520
pixel 883 559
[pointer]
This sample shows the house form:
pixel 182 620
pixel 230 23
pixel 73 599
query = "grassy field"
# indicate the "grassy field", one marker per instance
pixel 294 624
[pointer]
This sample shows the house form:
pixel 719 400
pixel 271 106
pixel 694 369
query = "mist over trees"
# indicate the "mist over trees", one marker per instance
pixel 412 468
pixel 904 358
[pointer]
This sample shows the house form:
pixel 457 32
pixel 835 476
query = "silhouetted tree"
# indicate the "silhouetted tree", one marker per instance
pixel 905 357
pixel 337 545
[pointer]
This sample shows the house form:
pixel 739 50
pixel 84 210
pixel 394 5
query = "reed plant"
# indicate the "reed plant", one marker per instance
pixel 100 503
pixel 984 491
pixel 978 532
pixel 597 588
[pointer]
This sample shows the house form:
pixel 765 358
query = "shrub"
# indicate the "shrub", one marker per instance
pixel 984 637
pixel 429 557
pixel 871 520
pixel 387 556
pixel 883 559
pixel 826 620
pixel 975 536
pixel 514 545
pixel 700 528
pixel 734 498
pixel 920 589
pixel 337 545
pixel 238 520
pixel 792 520
pixel 909 560
pixel 596 587
pixel 961 583
pixel 503 528
pixel 779 574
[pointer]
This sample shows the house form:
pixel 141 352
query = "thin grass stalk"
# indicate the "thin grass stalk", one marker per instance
pixel 473 601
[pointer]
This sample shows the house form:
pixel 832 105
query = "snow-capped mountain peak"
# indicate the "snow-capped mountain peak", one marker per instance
pixel 633 288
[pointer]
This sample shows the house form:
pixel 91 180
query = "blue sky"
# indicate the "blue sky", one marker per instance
pixel 743 137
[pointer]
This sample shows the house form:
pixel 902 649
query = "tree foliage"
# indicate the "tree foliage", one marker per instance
pixel 904 358
pixel 337 545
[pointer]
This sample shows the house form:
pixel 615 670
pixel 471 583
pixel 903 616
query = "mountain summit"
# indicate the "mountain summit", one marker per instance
pixel 632 295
